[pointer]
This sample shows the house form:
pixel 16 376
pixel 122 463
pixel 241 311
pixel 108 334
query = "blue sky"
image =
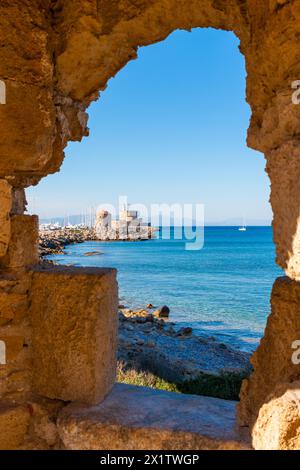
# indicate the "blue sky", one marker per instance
pixel 170 128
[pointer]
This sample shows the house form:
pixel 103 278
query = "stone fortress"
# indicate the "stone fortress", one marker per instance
pixel 59 324
pixel 129 226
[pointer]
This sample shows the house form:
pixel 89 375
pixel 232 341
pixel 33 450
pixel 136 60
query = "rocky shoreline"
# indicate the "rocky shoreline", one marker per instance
pixel 195 364
pixel 53 242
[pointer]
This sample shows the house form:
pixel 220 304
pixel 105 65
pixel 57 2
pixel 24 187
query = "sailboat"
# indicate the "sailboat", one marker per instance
pixel 243 228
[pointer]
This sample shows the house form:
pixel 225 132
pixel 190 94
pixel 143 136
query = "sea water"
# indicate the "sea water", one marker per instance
pixel 222 290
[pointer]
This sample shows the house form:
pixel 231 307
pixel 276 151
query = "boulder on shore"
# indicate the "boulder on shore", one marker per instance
pixel 162 312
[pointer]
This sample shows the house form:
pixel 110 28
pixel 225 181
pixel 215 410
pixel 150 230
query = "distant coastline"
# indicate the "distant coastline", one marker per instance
pixel 77 219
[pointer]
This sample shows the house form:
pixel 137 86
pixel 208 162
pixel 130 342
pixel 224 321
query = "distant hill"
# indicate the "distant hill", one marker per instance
pixel 234 222
pixel 72 219
pixel 237 221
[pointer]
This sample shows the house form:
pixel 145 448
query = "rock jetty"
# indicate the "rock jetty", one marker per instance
pixel 54 241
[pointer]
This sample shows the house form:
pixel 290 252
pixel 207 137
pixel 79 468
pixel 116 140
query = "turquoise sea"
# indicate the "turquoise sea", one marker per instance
pixel 222 290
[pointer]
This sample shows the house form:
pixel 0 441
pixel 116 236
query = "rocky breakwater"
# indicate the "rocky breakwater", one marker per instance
pixel 54 241
pixel 149 343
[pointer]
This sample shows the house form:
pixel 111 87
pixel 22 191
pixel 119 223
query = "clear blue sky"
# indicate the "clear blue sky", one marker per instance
pixel 170 128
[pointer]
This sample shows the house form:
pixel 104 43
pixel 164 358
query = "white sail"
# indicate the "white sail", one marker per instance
pixel 243 228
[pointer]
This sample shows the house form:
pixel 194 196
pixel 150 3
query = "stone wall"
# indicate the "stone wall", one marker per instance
pixel 272 361
pixel 55 57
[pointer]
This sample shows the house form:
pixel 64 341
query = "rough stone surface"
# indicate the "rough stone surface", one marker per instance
pixel 12 306
pixel 284 170
pixel 14 422
pixel 19 202
pixel 42 432
pixel 5 207
pixel 23 246
pixel 27 121
pixel 15 375
pixel 272 361
pixel 74 318
pixel 162 312
pixel 278 424
pixel 139 418
pixel 15 331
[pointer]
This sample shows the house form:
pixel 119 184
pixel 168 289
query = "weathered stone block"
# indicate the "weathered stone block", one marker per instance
pixel 5 207
pixel 74 317
pixel 23 247
pixel 14 422
pixel 12 306
pixel 284 171
pixel 13 346
pixel 15 281
pixel 29 111
pixel 15 335
pixel 16 363
pixel 15 381
pixel 121 422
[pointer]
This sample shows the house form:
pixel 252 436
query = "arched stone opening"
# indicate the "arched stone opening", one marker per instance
pixel 144 153
pixel 75 47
